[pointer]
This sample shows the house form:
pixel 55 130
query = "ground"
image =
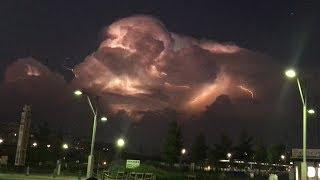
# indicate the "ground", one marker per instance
pixel 34 177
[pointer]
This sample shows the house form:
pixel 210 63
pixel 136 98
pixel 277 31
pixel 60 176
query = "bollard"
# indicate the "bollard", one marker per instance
pixel 58 167
pixel 79 175
pixel 28 171
pixel 273 177
pixel 54 172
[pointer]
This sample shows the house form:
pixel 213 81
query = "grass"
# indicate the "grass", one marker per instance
pixel 34 177
pixel 168 173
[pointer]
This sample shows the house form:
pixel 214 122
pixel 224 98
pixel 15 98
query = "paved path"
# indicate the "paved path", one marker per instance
pixel 35 177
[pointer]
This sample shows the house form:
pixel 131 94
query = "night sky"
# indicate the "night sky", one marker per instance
pixel 61 34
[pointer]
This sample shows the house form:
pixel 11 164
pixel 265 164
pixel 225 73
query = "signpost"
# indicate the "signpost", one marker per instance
pixel 3 160
pixel 131 163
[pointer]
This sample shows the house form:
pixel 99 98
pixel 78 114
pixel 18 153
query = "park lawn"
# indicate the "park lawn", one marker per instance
pixel 34 177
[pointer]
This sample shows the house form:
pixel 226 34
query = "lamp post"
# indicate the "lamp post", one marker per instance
pixel 290 73
pixel 120 144
pixel 94 110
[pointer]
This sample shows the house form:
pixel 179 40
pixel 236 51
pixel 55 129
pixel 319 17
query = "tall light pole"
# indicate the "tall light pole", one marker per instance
pixel 290 73
pixel 120 144
pixel 94 110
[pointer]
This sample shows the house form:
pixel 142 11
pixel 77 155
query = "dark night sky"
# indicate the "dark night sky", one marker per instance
pixel 65 32
pixel 53 30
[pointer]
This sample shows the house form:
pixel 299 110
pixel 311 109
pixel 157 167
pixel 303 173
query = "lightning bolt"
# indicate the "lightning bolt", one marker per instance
pixel 246 90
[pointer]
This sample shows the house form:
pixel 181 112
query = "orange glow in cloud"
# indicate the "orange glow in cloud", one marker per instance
pixel 125 86
pixel 32 71
pixel 208 93
pixel 220 48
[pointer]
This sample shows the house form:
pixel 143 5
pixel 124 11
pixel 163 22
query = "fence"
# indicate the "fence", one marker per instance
pixel 106 175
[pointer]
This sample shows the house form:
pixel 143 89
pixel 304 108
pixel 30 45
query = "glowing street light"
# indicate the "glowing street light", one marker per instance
pixel 65 146
pixel 229 155
pixel 77 92
pixel 311 111
pixel 290 73
pixel 283 157
pixel 183 151
pixel 1 140
pixel 103 119
pixel 35 144
pixel 120 142
pixel 48 145
pixel 94 109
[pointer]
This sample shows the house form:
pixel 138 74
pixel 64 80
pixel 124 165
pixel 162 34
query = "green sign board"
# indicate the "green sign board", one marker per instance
pixel 131 163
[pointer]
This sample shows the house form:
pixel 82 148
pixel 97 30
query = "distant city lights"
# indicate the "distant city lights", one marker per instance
pixel 183 151
pixel 229 155
pixel 65 146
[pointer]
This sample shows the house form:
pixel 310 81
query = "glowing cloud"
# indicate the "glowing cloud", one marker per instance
pixel 140 59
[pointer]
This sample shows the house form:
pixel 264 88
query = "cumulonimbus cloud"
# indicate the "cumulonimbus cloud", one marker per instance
pixel 139 58
pixel 140 65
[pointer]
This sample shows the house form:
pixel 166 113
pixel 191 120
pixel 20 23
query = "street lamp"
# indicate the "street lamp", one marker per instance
pixel 229 155
pixel 65 146
pixel 94 128
pixel 1 140
pixel 311 111
pixel 120 142
pixel 103 119
pixel 35 144
pixel 48 145
pixel 283 157
pixel 183 151
pixel 77 92
pixel 290 73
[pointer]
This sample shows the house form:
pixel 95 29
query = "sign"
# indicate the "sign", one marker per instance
pixel 131 164
pixel 311 153
pixel 3 160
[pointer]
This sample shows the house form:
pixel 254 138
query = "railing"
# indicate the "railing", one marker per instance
pixel 106 175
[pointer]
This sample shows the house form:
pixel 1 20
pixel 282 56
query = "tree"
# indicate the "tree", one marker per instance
pixel 173 143
pixel 199 149
pixel 274 153
pixel 244 148
pixel 260 154
pixel 225 146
